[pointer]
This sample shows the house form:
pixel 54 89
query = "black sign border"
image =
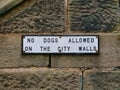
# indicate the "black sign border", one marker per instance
pixel 23 53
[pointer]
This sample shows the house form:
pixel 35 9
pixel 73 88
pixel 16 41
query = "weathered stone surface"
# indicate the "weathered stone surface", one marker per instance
pixel 104 80
pixel 39 79
pixel 40 16
pixel 94 15
pixel 5 5
pixel 10 53
pixel 109 55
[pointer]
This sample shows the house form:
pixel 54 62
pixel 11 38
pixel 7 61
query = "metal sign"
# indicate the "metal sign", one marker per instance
pixel 69 44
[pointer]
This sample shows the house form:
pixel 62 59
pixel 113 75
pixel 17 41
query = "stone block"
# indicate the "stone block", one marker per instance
pixel 109 55
pixel 94 15
pixel 36 16
pixel 102 80
pixel 10 53
pixel 6 5
pixel 39 79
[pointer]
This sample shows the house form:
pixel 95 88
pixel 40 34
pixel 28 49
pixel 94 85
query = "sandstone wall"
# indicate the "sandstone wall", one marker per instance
pixel 59 72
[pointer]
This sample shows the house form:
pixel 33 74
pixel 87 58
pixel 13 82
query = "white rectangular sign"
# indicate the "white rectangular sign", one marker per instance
pixel 61 44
